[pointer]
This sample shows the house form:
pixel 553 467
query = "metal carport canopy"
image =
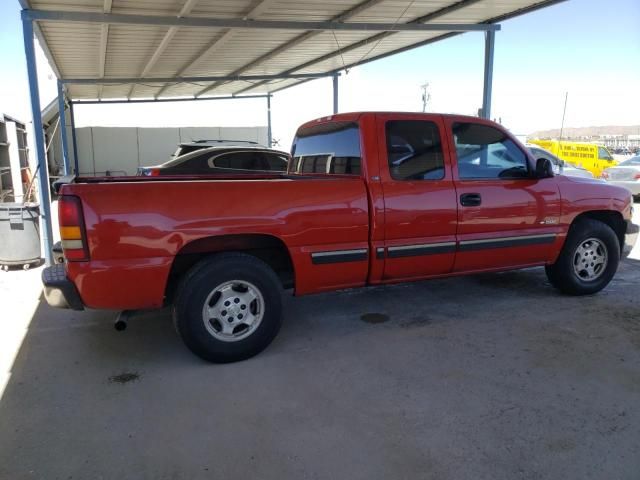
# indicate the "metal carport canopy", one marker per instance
pixel 128 49
pixel 134 50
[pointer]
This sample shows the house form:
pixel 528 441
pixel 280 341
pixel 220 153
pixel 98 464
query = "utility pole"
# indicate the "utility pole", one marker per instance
pixel 563 113
pixel 426 96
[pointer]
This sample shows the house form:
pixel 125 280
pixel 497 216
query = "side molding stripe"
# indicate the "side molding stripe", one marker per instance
pixel 506 242
pixel 339 256
pixel 424 249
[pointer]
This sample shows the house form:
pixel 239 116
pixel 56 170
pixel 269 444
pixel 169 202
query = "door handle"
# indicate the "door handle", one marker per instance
pixel 470 199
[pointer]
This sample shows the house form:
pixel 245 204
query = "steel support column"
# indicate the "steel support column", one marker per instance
pixel 63 128
pixel 73 139
pixel 38 133
pixel 335 93
pixel 489 42
pixel 269 135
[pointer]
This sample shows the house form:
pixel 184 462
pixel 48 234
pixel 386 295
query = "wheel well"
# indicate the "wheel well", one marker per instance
pixel 267 248
pixel 609 217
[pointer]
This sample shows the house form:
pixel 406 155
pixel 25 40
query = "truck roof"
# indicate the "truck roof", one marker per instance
pixel 355 116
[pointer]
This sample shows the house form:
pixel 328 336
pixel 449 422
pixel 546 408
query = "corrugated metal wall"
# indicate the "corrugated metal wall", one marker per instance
pixel 121 150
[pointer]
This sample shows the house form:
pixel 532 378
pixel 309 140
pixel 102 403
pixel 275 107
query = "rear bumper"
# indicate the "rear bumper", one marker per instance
pixel 630 238
pixel 59 291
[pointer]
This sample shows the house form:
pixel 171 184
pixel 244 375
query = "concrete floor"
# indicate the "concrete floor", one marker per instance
pixel 486 377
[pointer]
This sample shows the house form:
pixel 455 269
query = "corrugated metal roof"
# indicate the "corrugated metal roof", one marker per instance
pixel 107 52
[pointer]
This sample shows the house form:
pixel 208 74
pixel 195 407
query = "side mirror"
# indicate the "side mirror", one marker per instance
pixel 544 168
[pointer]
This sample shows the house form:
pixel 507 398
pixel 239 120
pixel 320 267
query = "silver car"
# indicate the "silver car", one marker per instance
pixel 560 167
pixel 625 174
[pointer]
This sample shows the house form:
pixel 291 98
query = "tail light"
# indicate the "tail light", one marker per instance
pixel 72 231
pixel 150 172
pixel 636 176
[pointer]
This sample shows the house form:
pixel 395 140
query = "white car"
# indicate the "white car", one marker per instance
pixel 625 174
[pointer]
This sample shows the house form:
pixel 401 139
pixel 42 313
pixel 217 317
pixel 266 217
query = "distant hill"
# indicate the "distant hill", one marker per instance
pixel 587 132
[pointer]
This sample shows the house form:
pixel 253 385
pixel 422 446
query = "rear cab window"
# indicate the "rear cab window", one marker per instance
pixel 327 148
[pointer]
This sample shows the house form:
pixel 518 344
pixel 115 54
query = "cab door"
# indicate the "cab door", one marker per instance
pixel 420 211
pixel 506 216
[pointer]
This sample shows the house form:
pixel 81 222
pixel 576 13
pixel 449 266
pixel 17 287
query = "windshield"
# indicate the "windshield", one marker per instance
pixel 603 154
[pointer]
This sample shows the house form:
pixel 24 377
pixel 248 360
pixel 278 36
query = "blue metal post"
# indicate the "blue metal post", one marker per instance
pixel 489 42
pixel 269 137
pixel 38 133
pixel 335 93
pixel 73 138
pixel 63 128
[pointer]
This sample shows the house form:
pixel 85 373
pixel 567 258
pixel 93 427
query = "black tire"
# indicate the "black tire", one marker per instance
pixel 562 274
pixel 195 289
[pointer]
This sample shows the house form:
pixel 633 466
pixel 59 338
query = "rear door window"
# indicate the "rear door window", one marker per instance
pixel 414 150
pixel 329 148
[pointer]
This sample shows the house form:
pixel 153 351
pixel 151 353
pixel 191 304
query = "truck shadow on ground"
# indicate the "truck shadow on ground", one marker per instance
pixel 85 400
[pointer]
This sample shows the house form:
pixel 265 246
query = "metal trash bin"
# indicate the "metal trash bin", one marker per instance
pixel 19 234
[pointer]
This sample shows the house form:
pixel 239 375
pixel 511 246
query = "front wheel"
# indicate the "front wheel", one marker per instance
pixel 228 307
pixel 588 260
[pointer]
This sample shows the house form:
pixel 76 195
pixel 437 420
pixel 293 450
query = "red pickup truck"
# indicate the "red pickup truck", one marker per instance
pixel 369 199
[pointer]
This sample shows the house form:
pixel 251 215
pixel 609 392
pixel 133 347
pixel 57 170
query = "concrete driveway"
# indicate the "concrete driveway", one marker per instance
pixel 487 377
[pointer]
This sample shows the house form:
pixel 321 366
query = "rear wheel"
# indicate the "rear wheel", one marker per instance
pixel 228 307
pixel 588 261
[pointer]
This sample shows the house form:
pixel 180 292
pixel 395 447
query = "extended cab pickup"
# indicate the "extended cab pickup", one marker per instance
pixel 369 198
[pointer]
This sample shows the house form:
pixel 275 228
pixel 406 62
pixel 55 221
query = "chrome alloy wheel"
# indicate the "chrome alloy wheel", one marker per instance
pixel 590 259
pixel 233 310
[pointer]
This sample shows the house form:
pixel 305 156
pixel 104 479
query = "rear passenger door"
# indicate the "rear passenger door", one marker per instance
pixel 506 216
pixel 419 197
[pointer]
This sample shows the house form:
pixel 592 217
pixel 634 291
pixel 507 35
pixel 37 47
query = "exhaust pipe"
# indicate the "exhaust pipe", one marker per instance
pixel 122 320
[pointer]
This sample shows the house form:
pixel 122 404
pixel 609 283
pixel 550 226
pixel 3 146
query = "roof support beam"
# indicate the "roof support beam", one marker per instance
pixel 375 38
pixel 296 41
pixel 164 43
pixel 166 100
pixel 219 41
pixel 202 22
pixel 237 78
pixel 455 6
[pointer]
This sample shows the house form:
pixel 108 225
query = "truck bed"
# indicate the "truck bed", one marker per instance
pixel 136 227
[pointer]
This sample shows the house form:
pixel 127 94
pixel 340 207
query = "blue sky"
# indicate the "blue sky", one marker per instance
pixel 588 48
